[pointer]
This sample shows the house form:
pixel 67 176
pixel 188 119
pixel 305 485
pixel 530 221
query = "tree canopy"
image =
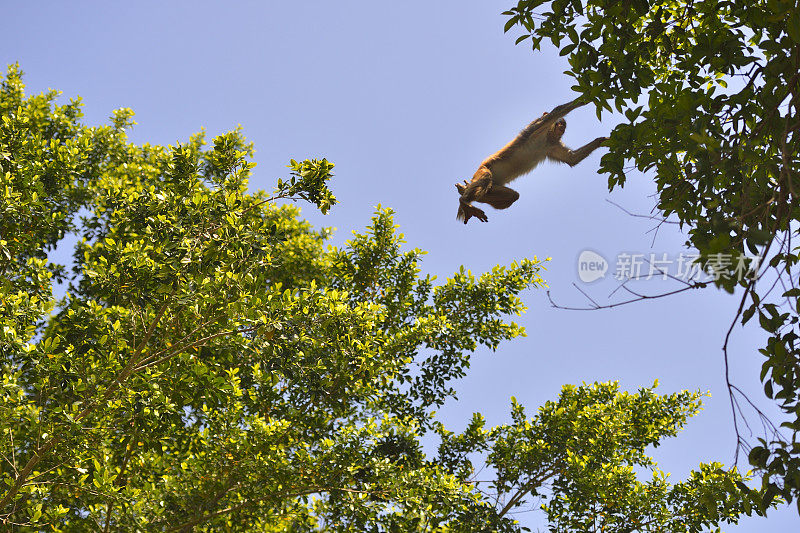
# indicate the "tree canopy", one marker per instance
pixel 213 366
pixel 711 93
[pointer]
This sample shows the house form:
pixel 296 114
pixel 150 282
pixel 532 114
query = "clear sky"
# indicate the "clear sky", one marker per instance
pixel 406 98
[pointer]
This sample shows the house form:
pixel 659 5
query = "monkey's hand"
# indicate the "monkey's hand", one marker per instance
pixel 467 211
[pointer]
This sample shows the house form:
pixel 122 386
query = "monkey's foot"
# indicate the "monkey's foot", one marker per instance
pixel 460 187
pixel 467 211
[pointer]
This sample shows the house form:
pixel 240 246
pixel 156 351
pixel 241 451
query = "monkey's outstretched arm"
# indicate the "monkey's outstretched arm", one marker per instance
pixel 561 153
pixel 562 110
pixel 549 118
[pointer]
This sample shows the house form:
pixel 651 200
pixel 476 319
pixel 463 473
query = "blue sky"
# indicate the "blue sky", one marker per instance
pixel 406 99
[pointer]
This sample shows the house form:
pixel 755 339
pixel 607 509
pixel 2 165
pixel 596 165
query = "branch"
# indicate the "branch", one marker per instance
pixel 55 440
pixel 595 306
pixel 198 342
pixel 525 489
pixel 661 220
pixel 729 384
pixel 311 490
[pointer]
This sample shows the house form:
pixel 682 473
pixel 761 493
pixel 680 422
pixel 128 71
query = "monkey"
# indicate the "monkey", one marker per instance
pixel 539 140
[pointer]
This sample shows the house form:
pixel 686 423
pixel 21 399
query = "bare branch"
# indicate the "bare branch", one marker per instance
pixel 639 298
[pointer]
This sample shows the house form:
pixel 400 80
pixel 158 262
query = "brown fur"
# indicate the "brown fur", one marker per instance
pixel 539 140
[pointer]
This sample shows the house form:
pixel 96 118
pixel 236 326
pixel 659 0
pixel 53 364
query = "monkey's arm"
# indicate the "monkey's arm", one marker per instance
pixel 475 190
pixel 562 110
pixel 561 153
pixel 549 118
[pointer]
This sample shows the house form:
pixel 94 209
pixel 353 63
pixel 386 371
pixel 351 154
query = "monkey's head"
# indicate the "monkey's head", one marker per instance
pixel 557 130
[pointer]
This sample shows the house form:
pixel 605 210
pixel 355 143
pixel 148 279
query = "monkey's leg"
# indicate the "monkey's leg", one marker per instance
pixel 573 157
pixel 501 197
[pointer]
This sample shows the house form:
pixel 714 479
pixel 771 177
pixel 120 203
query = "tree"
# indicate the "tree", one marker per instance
pixel 212 367
pixel 720 131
